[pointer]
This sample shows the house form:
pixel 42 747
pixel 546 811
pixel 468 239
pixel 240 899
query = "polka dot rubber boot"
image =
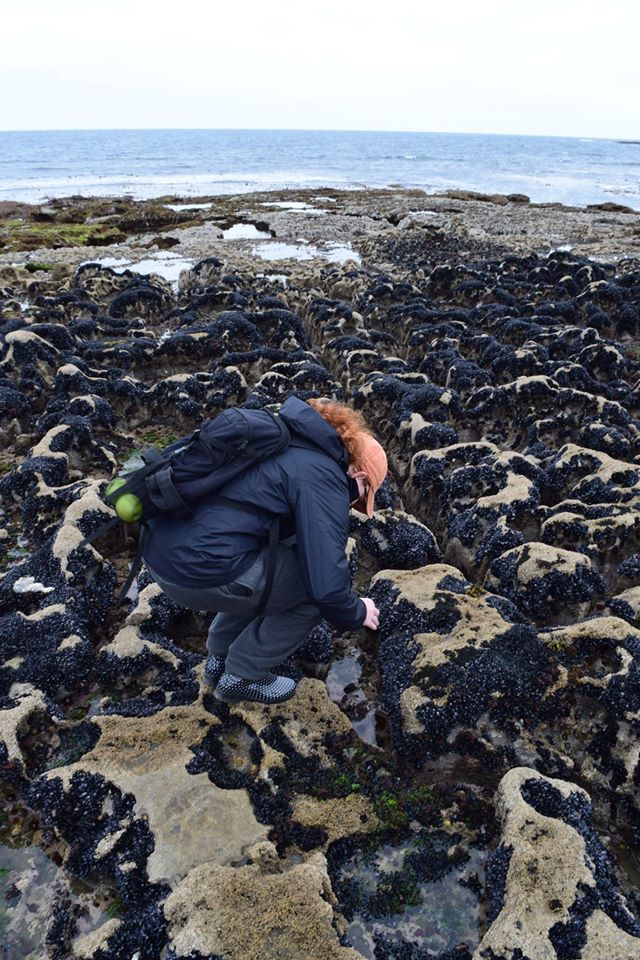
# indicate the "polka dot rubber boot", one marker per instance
pixel 213 669
pixel 270 689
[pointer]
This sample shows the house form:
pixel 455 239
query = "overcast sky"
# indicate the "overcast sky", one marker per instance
pixel 555 67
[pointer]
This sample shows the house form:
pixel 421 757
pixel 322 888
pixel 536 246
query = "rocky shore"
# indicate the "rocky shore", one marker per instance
pixel 462 785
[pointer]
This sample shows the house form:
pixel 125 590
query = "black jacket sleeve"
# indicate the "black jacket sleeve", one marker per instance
pixel 322 528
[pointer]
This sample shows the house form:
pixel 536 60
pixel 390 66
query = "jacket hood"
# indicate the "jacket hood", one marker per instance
pixel 307 424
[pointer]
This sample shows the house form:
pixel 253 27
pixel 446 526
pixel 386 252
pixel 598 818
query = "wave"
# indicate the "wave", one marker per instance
pixel 182 178
pixel 141 186
pixel 232 162
pixel 414 156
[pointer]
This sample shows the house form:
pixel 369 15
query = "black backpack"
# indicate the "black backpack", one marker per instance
pixel 173 480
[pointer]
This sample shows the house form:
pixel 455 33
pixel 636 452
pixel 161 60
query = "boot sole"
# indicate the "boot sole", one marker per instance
pixel 226 698
pixel 229 698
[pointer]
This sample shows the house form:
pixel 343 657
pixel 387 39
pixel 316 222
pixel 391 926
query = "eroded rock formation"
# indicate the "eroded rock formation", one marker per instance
pixel 482 751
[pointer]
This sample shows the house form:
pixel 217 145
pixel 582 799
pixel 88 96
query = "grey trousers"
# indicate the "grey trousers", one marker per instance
pixel 253 645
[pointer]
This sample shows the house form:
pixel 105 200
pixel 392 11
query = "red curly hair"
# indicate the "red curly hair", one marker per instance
pixel 346 422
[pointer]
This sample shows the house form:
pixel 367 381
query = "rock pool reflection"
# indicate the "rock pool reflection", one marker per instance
pixel 424 891
pixel 245 231
pixel 333 252
pixel 31 889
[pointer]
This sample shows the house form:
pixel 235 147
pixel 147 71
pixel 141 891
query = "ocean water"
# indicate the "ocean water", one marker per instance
pixel 150 163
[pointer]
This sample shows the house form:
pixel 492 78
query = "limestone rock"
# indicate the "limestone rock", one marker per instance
pixel 427 219
pixel 555 878
pixel 192 821
pixel 84 948
pixel 549 584
pixel 28 703
pixel 340 817
pixel 305 720
pixel 451 654
pixel 505 386
pixel 243 914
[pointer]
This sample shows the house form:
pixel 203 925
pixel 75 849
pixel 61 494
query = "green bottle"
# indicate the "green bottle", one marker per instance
pixel 128 506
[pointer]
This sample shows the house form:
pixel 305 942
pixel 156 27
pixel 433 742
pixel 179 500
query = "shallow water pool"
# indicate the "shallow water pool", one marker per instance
pixel 166 265
pixel 424 891
pixel 245 231
pixel 333 252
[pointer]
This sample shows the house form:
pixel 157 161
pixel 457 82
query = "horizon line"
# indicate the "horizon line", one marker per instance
pixel 466 133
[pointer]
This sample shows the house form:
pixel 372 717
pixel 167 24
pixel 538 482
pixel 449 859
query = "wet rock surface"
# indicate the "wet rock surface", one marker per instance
pixel 553 894
pixel 464 783
pixel 256 911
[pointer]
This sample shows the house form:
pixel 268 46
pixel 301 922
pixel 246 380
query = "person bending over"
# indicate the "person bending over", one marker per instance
pixel 216 560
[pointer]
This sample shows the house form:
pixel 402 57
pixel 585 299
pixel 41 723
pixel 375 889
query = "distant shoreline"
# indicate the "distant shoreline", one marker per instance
pixel 284 225
pixel 455 193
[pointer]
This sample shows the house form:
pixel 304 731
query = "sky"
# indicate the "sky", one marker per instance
pixel 547 67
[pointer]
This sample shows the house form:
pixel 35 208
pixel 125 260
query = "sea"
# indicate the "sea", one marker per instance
pixel 38 165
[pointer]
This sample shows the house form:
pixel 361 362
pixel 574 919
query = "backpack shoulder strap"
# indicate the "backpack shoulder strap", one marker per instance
pixel 103 528
pixel 133 573
pixel 164 495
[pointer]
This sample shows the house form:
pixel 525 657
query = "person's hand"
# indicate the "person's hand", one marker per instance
pixel 373 614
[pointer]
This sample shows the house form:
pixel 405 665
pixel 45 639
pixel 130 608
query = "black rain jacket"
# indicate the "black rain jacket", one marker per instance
pixel 306 486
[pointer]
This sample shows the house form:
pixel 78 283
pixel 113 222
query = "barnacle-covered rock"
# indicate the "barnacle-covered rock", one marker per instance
pixel 592 477
pixel 87 946
pixel 504 414
pixel 605 533
pixel 281 328
pixel 98 281
pixel 47 613
pixel 398 541
pixel 235 912
pixel 627 605
pixel 506 390
pixel 328 318
pixel 598 699
pixel 141 648
pixel 25 353
pixel 549 584
pixel 304 725
pixel 480 500
pixel 122 391
pixel 405 407
pixel 301 378
pixel 141 299
pixel 552 882
pixel 147 757
pixel 206 273
pixel 338 817
pixel 416 434
pixel 23 704
pixel 96 411
pixel 67 452
pixel 454 662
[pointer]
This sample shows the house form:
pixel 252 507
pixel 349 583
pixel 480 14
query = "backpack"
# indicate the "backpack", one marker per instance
pixel 173 480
